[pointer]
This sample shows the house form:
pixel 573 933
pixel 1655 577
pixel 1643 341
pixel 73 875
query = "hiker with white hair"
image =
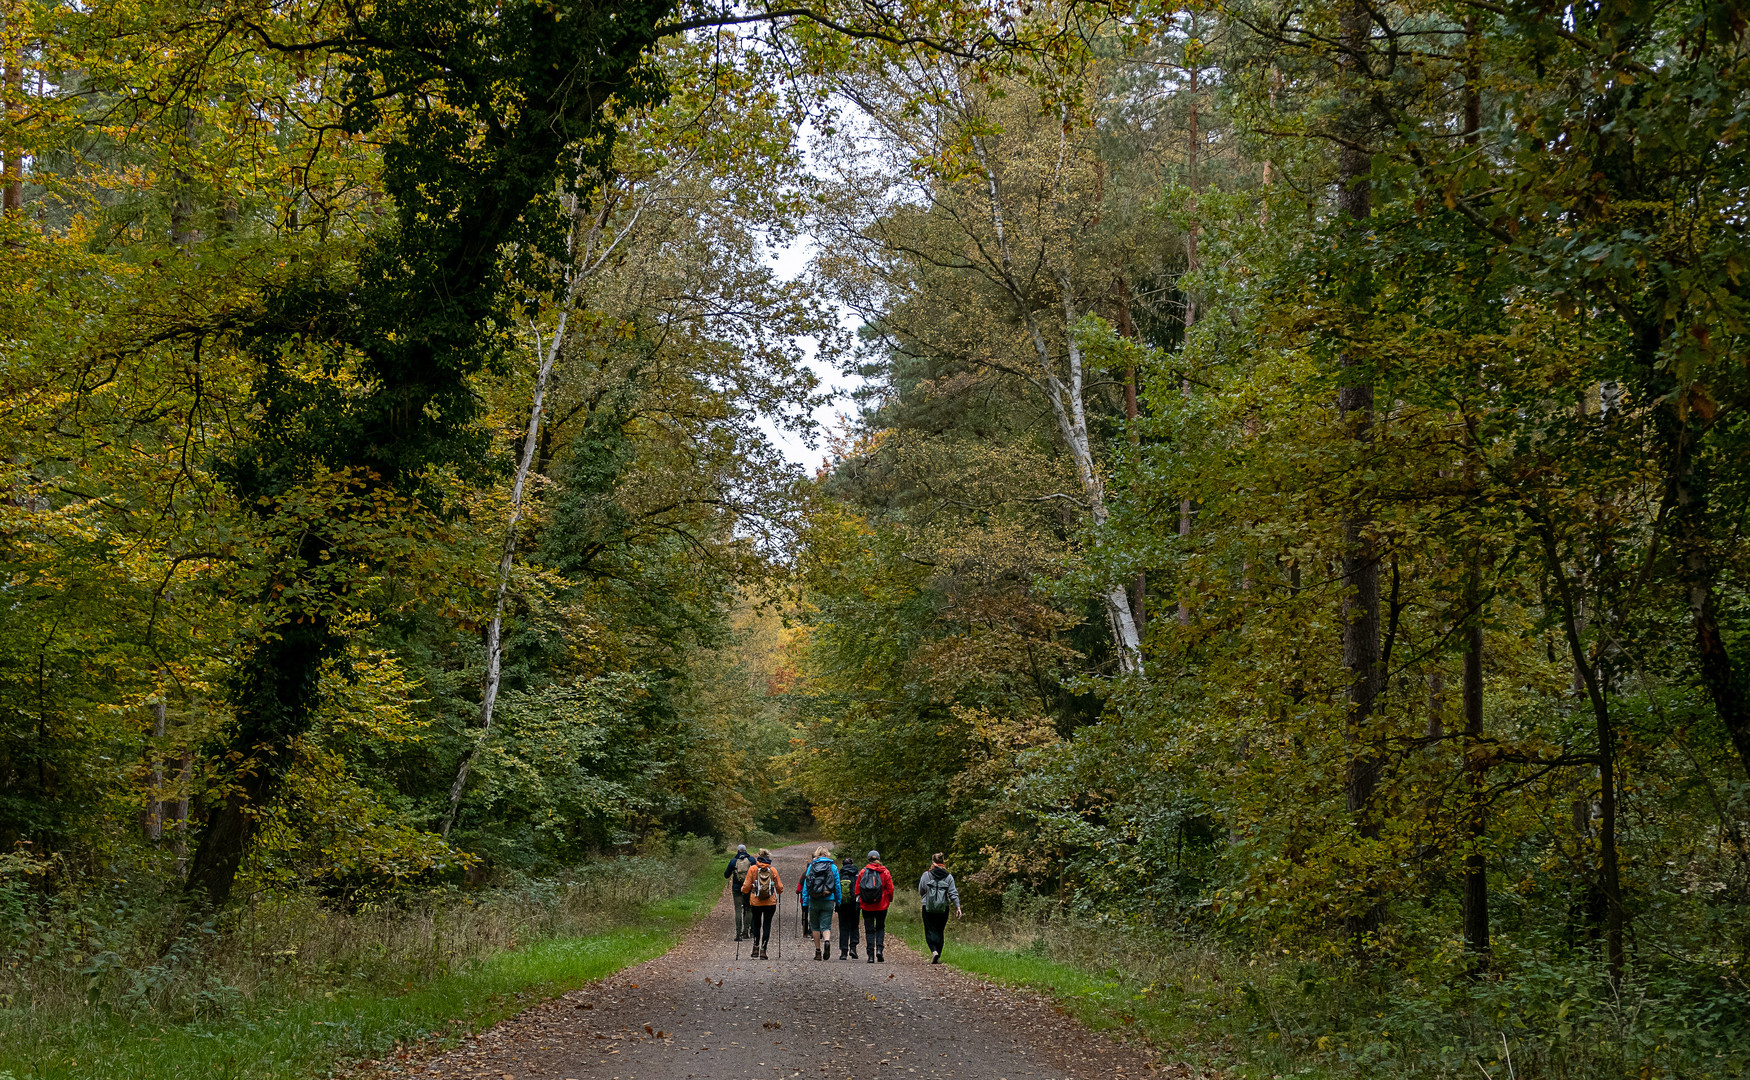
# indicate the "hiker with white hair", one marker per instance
pixel 820 892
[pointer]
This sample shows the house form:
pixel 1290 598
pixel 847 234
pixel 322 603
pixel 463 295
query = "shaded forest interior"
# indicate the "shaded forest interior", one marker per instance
pixel 1292 508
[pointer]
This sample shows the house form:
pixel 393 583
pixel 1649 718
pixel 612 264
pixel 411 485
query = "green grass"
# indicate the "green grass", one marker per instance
pixel 313 1036
pixel 1182 1022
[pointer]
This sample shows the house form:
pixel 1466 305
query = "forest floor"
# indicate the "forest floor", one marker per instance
pixel 705 1009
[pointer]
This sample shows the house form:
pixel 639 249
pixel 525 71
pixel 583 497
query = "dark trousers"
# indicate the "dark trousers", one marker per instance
pixel 743 914
pixel 934 924
pixel 848 919
pixel 875 929
pixel 761 929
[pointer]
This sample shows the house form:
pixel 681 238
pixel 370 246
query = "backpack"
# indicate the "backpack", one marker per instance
pixel 936 895
pixel 869 885
pixel 743 861
pixel 762 884
pixel 820 888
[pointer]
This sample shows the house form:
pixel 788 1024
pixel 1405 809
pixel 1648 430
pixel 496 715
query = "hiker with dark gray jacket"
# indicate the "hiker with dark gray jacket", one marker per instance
pixel 850 915
pixel 736 872
pixel 936 889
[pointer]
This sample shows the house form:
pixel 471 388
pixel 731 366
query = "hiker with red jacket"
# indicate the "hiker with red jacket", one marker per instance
pixel 874 893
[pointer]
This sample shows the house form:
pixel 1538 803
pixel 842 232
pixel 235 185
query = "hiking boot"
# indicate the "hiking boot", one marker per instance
pixel 935 958
pixel 871 959
pixel 881 956
pixel 853 952
pixel 817 952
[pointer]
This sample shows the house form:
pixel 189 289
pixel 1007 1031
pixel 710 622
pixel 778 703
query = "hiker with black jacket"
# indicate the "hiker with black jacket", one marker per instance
pixel 850 915
pixel 736 871
pixel 821 892
pixel 936 889
pixel 874 894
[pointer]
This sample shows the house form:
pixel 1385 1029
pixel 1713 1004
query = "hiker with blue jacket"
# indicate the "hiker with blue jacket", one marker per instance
pixel 936 889
pixel 736 873
pixel 821 892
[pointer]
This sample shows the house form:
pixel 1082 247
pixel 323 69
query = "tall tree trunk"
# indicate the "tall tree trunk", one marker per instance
pixel 1361 642
pixel 12 163
pixel 179 809
pixel 1476 870
pixel 1192 144
pixel 1725 684
pixel 494 629
pixel 278 689
pixel 1476 876
pixel 1609 870
pixel 1127 328
pixel 153 819
pixel 182 201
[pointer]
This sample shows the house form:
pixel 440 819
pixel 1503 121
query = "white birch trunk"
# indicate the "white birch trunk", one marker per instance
pixel 494 629
pixel 1070 412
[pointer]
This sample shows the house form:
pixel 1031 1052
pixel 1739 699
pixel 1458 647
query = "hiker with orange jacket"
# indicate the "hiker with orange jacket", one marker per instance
pixel 763 887
pixel 874 893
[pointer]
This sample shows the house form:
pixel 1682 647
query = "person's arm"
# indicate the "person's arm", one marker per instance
pixel 954 895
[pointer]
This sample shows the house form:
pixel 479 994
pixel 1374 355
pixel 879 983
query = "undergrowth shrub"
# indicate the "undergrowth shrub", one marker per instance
pixel 99 950
pixel 1287 1009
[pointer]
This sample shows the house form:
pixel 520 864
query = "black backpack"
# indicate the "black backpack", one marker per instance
pixel 869 885
pixel 820 888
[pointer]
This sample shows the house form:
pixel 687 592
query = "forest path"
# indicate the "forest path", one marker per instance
pixel 699 1011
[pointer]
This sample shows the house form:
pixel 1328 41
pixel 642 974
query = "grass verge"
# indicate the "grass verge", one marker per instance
pixel 1189 1021
pixel 316 1035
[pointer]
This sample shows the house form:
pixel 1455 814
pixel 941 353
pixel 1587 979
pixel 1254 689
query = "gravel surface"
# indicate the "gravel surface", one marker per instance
pixel 700 1012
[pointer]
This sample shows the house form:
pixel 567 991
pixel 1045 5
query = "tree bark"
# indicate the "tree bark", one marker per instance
pixel 1609 871
pixel 1355 407
pixel 494 629
pixel 1722 679
pixel 12 164
pixel 153 819
pixel 1127 329
pixel 1192 144
pixel 1476 877
pixel 1476 870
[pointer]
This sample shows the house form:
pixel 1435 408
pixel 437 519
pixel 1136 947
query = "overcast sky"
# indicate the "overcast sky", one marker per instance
pixel 792 263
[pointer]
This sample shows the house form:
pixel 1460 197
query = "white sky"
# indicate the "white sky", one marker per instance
pixel 791 263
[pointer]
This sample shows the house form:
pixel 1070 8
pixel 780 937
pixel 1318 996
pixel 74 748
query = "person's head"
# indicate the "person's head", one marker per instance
pixel 938 859
pixel 741 849
pixel 765 856
pixel 874 856
pixel 822 852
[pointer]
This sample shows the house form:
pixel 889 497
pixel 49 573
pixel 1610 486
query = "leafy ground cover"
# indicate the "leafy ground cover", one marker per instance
pixel 288 1027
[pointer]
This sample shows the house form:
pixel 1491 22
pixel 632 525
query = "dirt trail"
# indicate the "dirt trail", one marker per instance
pixel 700 1012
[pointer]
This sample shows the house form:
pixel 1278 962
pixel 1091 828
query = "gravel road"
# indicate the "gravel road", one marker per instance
pixel 700 1012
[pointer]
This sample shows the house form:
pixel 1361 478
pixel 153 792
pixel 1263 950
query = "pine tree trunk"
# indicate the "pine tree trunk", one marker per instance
pixel 1476 878
pixel 1360 561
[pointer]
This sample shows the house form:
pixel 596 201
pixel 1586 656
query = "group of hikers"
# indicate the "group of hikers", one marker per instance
pixel 854 894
